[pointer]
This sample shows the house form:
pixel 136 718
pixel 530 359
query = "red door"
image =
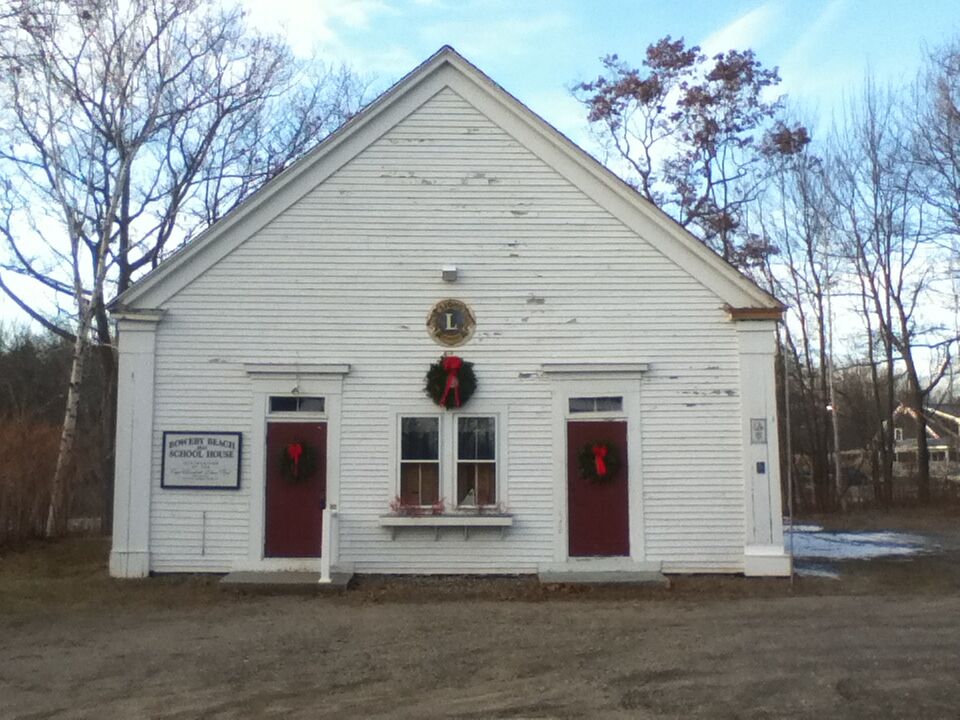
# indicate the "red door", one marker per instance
pixel 598 511
pixel 296 492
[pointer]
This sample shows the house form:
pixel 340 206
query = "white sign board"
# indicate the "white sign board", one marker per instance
pixel 201 460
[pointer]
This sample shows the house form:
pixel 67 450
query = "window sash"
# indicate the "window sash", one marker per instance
pixel 297 404
pixel 476 440
pixel 420 483
pixel 421 446
pixel 595 404
pixel 476 475
pixel 476 483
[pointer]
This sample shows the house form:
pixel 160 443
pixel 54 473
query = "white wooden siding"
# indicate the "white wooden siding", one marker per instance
pixel 348 274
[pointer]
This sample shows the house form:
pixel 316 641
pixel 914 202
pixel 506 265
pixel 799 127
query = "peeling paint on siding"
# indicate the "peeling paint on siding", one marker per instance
pixel 375 213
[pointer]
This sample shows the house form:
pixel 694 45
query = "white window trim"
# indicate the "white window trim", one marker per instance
pixel 448 457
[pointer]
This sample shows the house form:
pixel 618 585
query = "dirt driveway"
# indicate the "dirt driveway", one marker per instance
pixel 882 642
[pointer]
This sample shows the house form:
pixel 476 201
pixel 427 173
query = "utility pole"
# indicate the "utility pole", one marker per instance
pixel 951 393
pixel 834 415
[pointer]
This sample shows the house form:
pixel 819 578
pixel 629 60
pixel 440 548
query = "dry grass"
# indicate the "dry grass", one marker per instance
pixel 28 456
pixel 70 575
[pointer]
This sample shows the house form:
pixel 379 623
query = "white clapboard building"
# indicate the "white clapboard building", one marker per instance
pixel 615 378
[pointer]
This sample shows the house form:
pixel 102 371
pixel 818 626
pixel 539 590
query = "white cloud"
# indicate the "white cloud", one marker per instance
pixel 810 68
pixel 746 31
pixel 385 65
pixel 804 47
pixel 485 42
pixel 314 25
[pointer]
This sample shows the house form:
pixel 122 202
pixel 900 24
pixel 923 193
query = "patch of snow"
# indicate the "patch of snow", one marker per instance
pixel 851 545
pixel 804 528
pixel 816 571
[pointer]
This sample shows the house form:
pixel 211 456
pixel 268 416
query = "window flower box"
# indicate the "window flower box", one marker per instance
pixel 466 522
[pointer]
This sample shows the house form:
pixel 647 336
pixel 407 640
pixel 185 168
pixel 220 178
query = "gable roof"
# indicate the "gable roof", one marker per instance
pixel 447 68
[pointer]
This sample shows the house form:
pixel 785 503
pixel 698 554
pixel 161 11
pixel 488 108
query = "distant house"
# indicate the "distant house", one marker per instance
pixel 447 341
pixel 943 436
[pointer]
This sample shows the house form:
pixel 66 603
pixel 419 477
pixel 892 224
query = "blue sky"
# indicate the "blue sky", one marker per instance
pixel 537 48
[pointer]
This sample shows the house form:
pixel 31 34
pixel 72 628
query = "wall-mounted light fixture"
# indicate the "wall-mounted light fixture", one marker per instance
pixel 449 273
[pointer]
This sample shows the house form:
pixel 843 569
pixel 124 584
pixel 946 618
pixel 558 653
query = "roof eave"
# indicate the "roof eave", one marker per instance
pixel 760 301
pixel 128 297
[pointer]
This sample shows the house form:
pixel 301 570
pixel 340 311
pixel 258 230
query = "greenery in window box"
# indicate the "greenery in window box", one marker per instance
pixel 499 508
pixel 599 461
pixel 399 507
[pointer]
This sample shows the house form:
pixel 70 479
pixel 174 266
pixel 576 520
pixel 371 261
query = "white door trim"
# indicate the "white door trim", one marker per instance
pixel 629 388
pixel 263 386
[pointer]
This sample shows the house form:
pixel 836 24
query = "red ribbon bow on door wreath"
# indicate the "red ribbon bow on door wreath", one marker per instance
pixel 599 453
pixel 452 365
pixel 294 451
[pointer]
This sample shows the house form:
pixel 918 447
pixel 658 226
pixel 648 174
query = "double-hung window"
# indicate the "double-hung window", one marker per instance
pixel 476 461
pixel 419 460
pixel 449 457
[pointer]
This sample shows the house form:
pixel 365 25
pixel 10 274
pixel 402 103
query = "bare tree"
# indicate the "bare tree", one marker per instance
pixel 131 124
pixel 688 127
pixel 792 214
pixel 883 218
pixel 936 134
pixel 936 150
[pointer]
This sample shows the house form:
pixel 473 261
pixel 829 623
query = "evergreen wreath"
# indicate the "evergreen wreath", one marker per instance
pixel 298 461
pixel 599 461
pixel 450 382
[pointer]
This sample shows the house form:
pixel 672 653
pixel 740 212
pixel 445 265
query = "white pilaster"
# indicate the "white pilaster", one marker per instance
pixel 763 552
pixel 130 555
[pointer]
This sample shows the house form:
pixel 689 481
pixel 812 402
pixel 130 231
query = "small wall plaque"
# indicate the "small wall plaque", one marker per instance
pixel 201 460
pixel 451 322
pixel 758 431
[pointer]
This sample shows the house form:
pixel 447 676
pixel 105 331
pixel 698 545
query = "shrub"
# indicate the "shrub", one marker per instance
pixel 28 456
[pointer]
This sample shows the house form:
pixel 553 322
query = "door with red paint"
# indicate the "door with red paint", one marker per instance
pixel 296 488
pixel 598 510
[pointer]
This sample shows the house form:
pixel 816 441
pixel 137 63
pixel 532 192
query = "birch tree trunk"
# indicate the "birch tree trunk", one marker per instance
pixel 59 487
pixel 86 86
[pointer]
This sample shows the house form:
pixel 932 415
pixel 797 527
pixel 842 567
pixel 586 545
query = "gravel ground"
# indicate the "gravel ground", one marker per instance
pixel 881 642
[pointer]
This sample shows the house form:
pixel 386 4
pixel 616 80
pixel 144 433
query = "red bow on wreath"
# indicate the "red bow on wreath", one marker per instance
pixel 452 365
pixel 599 453
pixel 294 451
